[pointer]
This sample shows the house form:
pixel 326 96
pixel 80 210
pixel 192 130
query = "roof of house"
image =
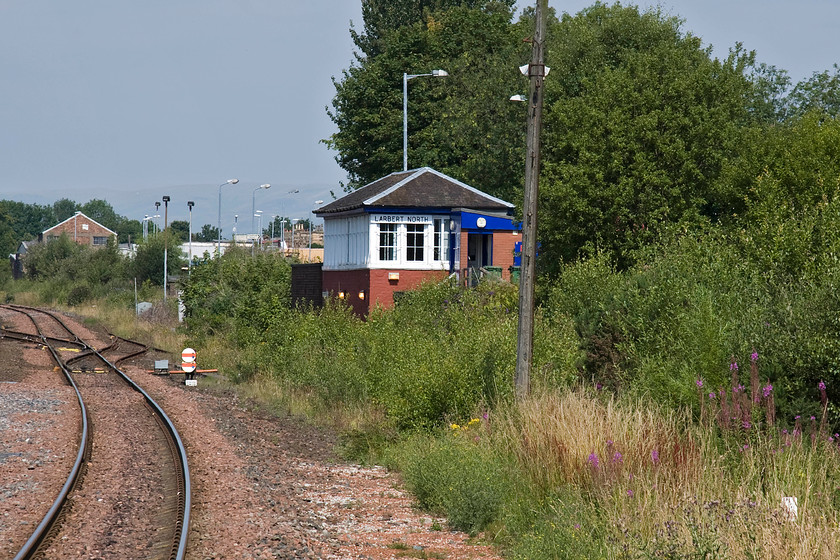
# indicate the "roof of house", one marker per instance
pixel 417 188
pixel 77 215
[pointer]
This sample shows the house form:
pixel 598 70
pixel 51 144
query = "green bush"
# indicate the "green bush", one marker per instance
pixel 79 294
pixel 455 476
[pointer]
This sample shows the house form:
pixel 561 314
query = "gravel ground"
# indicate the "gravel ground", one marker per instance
pixel 263 486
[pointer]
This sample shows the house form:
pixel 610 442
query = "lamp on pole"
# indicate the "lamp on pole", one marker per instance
pixel 317 202
pixel 157 215
pixel 273 219
pixel 283 219
pixel 283 234
pixel 406 77
pixel 190 203
pixel 219 220
pixel 165 244
pixel 253 203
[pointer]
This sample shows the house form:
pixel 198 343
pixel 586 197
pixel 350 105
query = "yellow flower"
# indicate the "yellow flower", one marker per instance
pixel 454 426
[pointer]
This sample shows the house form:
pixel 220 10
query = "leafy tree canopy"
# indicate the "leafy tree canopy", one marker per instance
pixel 180 230
pixel 64 208
pixel 207 233
pixel 642 128
pixel 462 124
pixel 382 17
pixel 102 212
pixel 638 122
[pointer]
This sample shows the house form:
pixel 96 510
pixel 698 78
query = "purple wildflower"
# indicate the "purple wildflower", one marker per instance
pixel 733 366
pixel 598 386
pixel 617 458
pixel 699 383
pixel 821 385
pixel 767 390
pixel 629 493
pixel 746 424
pixel 609 443
pixel 711 396
pixel 593 460
pixel 754 356
pixel 577 526
pixel 654 455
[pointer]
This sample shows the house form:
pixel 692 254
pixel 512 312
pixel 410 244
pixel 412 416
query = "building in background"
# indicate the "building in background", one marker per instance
pixel 81 229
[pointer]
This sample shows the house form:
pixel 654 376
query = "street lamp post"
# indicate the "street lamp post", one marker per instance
pixel 293 222
pixel 219 220
pixel 253 203
pixel 283 234
pixel 283 220
pixel 148 219
pixel 406 77
pixel 318 202
pixel 165 244
pixel 190 203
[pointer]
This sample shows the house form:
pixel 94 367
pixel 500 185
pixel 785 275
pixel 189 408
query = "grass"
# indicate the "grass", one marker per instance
pixel 576 473
pixel 581 474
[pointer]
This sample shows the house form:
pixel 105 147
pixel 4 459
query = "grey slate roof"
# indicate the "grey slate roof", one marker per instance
pixel 417 188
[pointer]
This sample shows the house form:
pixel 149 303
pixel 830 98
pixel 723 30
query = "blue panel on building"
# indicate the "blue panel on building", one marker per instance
pixel 469 220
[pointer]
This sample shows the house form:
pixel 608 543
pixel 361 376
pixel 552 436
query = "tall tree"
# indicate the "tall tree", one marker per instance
pixel 382 17
pixel 102 212
pixel 463 124
pixel 207 233
pixel 180 230
pixel 820 93
pixel 63 209
pixel 639 121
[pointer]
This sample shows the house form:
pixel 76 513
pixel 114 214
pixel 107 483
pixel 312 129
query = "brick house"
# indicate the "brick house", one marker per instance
pixel 391 235
pixel 81 229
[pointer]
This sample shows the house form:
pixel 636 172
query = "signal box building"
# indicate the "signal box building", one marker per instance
pixel 409 227
pixel 81 229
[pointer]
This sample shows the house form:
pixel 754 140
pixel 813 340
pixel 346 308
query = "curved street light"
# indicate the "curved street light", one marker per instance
pixel 253 202
pixel 190 204
pixel 219 220
pixel 406 77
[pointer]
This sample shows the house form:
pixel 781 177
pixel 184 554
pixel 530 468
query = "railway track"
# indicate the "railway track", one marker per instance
pixel 145 512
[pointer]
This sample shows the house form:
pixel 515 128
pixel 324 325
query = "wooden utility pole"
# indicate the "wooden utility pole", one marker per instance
pixel 536 75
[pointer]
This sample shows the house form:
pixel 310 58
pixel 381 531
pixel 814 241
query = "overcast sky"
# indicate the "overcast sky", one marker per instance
pixel 130 101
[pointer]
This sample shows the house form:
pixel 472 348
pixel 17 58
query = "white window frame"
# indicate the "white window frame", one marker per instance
pixel 393 249
pixel 412 247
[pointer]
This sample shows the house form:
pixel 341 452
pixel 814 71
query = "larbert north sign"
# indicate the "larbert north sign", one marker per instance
pixel 401 219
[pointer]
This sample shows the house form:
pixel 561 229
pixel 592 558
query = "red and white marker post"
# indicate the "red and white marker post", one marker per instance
pixel 188 365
